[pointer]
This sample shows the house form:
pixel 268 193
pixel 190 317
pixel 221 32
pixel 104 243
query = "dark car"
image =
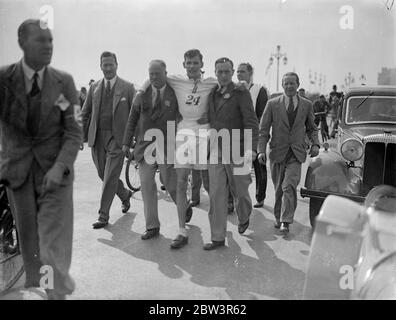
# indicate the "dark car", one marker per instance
pixel 365 154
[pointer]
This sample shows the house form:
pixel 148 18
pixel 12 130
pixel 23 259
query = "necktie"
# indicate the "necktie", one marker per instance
pixel 108 88
pixel 35 88
pixel 157 106
pixel 157 103
pixel 290 109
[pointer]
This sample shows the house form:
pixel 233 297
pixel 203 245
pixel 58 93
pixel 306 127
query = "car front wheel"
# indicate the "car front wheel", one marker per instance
pixel 314 207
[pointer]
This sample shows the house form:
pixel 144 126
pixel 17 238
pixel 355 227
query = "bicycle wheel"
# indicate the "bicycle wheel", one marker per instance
pixel 132 177
pixel 11 263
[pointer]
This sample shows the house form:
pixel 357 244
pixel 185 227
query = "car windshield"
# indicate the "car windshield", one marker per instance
pixel 373 109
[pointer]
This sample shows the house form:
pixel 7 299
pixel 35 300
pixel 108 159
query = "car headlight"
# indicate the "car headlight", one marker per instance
pixel 352 149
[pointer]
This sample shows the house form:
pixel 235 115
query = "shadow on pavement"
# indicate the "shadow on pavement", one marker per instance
pixel 242 276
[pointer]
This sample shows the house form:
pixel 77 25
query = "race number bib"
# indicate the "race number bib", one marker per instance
pixel 193 100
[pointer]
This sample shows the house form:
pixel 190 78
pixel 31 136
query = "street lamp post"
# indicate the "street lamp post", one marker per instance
pixel 278 55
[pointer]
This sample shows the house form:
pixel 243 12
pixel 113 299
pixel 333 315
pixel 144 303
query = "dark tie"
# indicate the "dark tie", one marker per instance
pixel 290 109
pixel 35 88
pixel 108 88
pixel 290 113
pixel 157 106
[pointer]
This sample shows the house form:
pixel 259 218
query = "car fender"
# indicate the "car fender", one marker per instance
pixel 329 172
pixel 335 249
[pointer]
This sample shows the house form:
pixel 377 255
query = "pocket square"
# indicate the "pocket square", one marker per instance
pixel 123 99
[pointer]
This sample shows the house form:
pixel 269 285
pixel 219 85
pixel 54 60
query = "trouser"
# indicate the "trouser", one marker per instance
pixel 108 159
pixel 181 194
pixel 149 189
pixel 197 177
pixel 44 222
pixel 286 176
pixel 222 181
pixel 260 171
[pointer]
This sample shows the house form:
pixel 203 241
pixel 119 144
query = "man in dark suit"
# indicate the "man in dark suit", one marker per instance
pixel 291 117
pixel 158 109
pixel 259 97
pixel 230 111
pixel 40 140
pixel 105 114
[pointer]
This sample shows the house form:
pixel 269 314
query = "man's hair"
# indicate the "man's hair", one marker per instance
pixel 23 28
pixel 223 60
pixel 291 74
pixel 193 53
pixel 159 61
pixel 322 96
pixel 301 89
pixel 334 86
pixel 106 54
pixel 247 65
pixel 83 89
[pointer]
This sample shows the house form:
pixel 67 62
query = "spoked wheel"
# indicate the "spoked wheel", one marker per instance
pixel 11 264
pixel 132 177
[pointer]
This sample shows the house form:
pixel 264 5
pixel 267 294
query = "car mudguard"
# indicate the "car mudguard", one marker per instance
pixel 335 249
pixel 329 172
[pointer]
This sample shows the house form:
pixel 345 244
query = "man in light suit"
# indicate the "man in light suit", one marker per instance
pixel 40 140
pixel 291 117
pixel 105 114
pixel 159 105
pixel 230 110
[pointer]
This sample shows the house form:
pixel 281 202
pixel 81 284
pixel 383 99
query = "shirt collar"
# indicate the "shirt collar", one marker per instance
pixel 162 89
pixel 29 72
pixel 112 81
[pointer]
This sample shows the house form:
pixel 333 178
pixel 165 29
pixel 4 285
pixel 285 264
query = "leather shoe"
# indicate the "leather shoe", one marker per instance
pixel 99 224
pixel 179 242
pixel 277 225
pixel 126 204
pixel 259 204
pixel 214 245
pixel 150 233
pixel 189 213
pixel 230 208
pixel 284 227
pixel 194 203
pixel 242 227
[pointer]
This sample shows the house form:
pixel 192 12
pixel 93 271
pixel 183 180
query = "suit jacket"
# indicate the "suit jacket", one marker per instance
pixel 142 119
pixel 284 137
pixel 59 134
pixel 234 111
pixel 124 92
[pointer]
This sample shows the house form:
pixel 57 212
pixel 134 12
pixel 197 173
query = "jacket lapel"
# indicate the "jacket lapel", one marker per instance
pixel 16 112
pixel 300 112
pixel 282 111
pixel 117 93
pixel 226 96
pixel 96 100
pixel 51 90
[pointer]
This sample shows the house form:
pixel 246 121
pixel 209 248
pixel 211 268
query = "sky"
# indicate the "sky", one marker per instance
pixel 317 36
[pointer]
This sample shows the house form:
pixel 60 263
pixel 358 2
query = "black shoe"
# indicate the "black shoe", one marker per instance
pixel 151 233
pixel 230 208
pixel 214 245
pixel 126 204
pixel 259 204
pixel 179 242
pixel 242 227
pixel 52 295
pixel 32 284
pixel 163 188
pixel 189 213
pixel 277 225
pixel 284 227
pixel 99 224
pixel 194 203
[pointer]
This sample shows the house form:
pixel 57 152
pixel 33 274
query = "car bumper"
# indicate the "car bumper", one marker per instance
pixel 322 195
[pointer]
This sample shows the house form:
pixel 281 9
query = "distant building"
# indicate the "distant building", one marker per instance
pixel 387 76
